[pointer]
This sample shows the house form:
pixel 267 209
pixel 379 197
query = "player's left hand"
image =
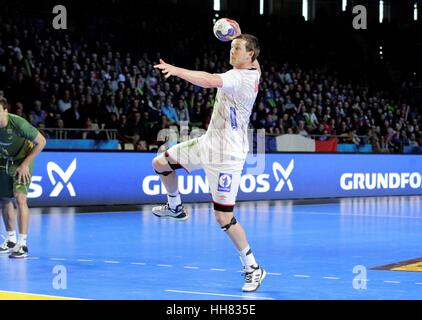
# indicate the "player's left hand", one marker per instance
pixel 167 69
pixel 24 177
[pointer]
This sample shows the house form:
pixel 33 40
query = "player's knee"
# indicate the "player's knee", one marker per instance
pixel 6 201
pixel 223 218
pixel 21 199
pixel 159 163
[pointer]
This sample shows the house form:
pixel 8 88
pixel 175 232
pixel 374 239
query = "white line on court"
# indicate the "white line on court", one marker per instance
pixel 58 259
pixel 390 281
pixel 301 276
pixel 274 274
pixel 138 263
pixel 189 267
pixel 111 261
pixel 164 265
pixel 220 294
pixel 331 278
pixel 216 269
pixel 84 260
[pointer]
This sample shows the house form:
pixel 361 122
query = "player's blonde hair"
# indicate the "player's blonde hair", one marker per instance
pixel 252 44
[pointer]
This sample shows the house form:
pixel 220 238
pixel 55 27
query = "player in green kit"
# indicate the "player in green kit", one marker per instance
pixel 20 143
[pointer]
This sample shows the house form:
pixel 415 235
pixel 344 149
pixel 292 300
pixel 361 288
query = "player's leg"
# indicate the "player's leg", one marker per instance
pixel 166 169
pixel 254 274
pixel 183 155
pixel 21 196
pixel 6 198
pixel 9 223
pixel 224 188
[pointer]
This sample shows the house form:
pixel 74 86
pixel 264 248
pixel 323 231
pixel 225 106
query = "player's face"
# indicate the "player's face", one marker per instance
pixel 238 53
pixel 3 116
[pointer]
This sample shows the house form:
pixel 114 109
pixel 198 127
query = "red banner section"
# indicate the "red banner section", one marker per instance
pixel 329 145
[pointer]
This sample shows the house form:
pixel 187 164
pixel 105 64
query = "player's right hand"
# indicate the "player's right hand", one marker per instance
pixel 167 69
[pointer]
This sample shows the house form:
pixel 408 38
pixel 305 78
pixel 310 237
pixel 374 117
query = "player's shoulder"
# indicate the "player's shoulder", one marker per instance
pixel 17 120
pixel 245 72
pixel 15 117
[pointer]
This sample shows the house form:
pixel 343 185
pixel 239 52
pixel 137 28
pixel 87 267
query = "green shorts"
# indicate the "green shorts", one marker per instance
pixel 9 184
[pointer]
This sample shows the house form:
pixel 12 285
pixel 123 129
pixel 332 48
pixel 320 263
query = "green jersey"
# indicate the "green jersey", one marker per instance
pixel 16 139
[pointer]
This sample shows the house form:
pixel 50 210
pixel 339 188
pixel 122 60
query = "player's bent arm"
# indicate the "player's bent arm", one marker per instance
pixel 40 143
pixel 200 78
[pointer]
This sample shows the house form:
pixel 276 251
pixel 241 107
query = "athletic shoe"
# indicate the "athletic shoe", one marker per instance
pixel 19 252
pixel 7 246
pixel 165 211
pixel 253 279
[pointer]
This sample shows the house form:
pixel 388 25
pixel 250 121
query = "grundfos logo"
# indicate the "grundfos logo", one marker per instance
pixel 285 174
pixel 62 183
pixel 371 181
pixel 196 184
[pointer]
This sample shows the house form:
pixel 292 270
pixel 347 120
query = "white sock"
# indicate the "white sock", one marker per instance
pixel 247 258
pixel 174 200
pixel 11 236
pixel 22 239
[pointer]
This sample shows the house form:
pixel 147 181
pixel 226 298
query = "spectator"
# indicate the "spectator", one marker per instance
pixel 64 103
pixel 169 111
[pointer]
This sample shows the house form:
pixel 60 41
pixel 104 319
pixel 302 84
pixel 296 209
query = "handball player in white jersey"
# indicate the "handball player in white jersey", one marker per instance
pixel 222 150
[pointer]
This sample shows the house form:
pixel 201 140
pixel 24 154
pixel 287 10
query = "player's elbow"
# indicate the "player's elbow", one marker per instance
pixel 214 81
pixel 41 141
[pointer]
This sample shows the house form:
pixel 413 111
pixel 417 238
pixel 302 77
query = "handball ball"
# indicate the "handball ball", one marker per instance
pixel 226 29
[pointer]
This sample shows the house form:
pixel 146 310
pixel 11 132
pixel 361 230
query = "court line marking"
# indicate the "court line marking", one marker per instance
pixel 212 269
pixel 216 269
pixel 219 294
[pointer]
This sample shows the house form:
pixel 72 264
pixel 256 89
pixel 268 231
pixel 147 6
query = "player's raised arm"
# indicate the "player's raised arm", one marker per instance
pixel 198 78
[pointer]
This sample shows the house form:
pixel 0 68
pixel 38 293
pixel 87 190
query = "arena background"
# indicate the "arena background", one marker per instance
pixel 341 112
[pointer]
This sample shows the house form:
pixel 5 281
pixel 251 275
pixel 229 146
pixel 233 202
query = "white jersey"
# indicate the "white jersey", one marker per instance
pixel 227 133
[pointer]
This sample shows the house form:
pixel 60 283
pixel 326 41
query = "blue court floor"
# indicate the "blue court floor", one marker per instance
pixel 311 251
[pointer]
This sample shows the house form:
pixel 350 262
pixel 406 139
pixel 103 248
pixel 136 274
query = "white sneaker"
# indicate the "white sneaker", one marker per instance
pixel 7 246
pixel 165 211
pixel 253 279
pixel 19 251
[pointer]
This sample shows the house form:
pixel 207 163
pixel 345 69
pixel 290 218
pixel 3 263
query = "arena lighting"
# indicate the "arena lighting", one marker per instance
pixel 261 7
pixel 381 11
pixel 216 5
pixel 415 11
pixel 305 9
pixel 343 5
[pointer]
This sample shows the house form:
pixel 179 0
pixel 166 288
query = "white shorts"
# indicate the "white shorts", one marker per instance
pixel 223 176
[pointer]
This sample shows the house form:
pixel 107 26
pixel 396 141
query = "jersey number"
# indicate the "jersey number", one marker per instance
pixel 233 119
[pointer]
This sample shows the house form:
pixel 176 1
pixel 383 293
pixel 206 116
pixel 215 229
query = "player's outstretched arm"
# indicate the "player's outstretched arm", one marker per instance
pixel 199 78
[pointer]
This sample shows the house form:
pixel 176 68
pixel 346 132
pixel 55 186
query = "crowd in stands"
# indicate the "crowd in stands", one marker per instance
pixel 60 80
